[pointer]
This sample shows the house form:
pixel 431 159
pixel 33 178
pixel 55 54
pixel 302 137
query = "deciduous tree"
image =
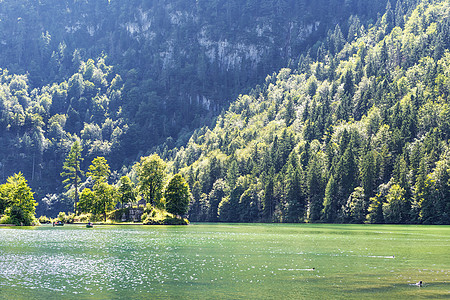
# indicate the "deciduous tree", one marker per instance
pixel 18 199
pixel 151 172
pixel 177 195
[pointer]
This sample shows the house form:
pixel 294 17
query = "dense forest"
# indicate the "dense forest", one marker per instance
pixel 354 129
pixel 125 77
pixel 356 136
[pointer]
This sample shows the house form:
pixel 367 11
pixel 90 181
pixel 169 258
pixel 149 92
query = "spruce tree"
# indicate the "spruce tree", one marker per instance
pixel 295 200
pixel 330 202
pixel 72 171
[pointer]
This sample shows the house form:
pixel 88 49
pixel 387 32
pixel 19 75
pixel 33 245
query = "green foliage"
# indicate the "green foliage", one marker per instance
pixel 218 192
pixel 103 196
pixel 72 172
pixel 151 171
pixel 356 129
pixel 356 208
pixel 105 200
pixel 294 194
pixel 89 70
pixel 6 219
pixel 396 209
pixel 127 193
pixel 177 195
pixel 155 216
pixel 87 201
pixel 18 201
pixel 44 220
pixel 330 202
pixel 99 170
pixel 68 218
pixel 360 135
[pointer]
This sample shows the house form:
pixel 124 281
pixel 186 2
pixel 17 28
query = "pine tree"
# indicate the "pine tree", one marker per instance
pixel 330 201
pixel 290 114
pixel 72 172
pixel 314 186
pixel 294 196
pixel 269 199
pixel 388 18
pixel 423 197
pixel 399 14
pixel 368 175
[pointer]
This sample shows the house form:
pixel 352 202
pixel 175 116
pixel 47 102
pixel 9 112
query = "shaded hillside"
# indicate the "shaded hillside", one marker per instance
pixel 181 61
pixel 357 136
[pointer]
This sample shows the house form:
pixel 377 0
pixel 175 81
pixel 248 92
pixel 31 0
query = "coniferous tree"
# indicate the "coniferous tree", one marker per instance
pixel 72 171
pixel 375 210
pixel 330 201
pixel 399 14
pixel 388 18
pixel 294 196
pixel 423 197
pixel 441 178
pixel 314 185
pixel 368 175
pixel 269 199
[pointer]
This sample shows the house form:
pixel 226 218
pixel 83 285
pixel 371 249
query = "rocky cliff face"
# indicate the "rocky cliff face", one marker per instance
pixel 251 45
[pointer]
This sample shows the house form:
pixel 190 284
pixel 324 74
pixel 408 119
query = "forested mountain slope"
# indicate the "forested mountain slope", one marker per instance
pixel 126 76
pixel 181 60
pixel 362 135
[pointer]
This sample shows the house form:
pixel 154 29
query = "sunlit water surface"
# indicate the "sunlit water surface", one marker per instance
pixel 225 261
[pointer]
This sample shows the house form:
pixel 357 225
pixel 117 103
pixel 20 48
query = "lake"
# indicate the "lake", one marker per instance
pixel 225 261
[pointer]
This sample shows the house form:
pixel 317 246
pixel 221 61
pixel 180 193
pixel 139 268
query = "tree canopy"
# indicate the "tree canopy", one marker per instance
pixel 151 171
pixel 17 201
pixel 177 195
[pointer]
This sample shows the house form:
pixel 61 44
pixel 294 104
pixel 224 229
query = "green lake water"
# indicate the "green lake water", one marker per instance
pixel 225 261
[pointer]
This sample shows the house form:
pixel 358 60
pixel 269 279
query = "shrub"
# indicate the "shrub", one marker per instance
pixel 5 220
pixel 65 218
pixel 44 220
pixel 156 216
pixel 19 217
pixel 84 218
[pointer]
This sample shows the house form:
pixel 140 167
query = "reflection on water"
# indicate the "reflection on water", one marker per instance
pixel 224 261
